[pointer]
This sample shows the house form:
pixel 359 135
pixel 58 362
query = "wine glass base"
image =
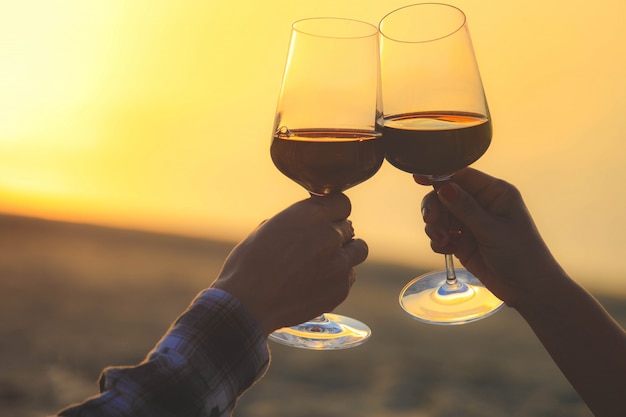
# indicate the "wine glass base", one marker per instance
pixel 425 299
pixel 330 333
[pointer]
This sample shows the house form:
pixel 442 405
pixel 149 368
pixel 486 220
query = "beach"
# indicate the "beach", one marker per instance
pixel 76 298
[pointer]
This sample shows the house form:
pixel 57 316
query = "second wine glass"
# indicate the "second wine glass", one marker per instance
pixel 434 119
pixel 325 137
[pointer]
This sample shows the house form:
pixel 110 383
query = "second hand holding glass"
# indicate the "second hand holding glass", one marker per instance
pixel 325 137
pixel 434 119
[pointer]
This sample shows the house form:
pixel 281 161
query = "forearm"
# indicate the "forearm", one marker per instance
pixel 209 357
pixel 583 339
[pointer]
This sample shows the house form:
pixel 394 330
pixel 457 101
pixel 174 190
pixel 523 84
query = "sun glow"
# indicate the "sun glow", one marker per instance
pixel 157 114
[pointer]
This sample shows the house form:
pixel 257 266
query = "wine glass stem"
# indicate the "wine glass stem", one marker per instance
pixel 450 274
pixel 319 319
pixel 451 282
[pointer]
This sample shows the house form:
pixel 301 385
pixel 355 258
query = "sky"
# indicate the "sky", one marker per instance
pixel 157 115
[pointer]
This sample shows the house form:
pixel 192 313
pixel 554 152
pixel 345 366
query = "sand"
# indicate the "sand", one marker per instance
pixel 76 298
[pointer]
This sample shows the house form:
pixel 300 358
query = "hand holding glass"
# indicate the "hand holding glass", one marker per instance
pixel 325 137
pixel 434 119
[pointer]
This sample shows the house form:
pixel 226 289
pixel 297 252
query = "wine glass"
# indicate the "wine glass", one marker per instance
pixel 434 119
pixel 325 137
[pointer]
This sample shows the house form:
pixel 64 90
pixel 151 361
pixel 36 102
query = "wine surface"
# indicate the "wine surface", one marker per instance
pixel 327 160
pixel 434 143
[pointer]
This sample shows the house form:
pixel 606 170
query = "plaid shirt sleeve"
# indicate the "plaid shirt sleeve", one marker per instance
pixel 211 354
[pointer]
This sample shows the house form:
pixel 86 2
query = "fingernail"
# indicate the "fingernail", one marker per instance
pixel 448 191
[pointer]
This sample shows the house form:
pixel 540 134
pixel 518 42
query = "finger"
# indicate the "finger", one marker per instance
pixel 346 231
pixel 351 278
pixel 437 234
pixel 483 186
pixel 464 207
pixel 448 241
pixel 422 180
pixel 448 249
pixel 337 206
pixel 431 208
pixel 472 179
pixel 356 251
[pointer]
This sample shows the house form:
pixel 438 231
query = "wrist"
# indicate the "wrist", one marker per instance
pixel 549 285
pixel 251 303
pixel 216 332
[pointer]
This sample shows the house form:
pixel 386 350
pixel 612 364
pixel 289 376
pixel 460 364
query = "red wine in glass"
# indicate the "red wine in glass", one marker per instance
pixel 327 160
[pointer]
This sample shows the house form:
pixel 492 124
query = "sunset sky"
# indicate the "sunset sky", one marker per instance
pixel 158 114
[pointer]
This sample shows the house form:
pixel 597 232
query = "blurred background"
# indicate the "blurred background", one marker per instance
pixel 157 116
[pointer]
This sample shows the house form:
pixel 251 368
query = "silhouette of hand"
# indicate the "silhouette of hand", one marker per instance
pixel 492 232
pixel 296 265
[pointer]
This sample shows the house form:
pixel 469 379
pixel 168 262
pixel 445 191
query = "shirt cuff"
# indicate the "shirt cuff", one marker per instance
pixel 219 337
pixel 211 354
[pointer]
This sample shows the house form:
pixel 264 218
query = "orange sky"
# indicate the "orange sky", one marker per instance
pixel 157 115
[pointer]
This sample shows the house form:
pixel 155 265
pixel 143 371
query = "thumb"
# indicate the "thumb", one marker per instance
pixel 356 251
pixel 463 207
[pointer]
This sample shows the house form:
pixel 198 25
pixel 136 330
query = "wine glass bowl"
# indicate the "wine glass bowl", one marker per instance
pixel 324 136
pixel 327 160
pixel 434 120
pixel 435 144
